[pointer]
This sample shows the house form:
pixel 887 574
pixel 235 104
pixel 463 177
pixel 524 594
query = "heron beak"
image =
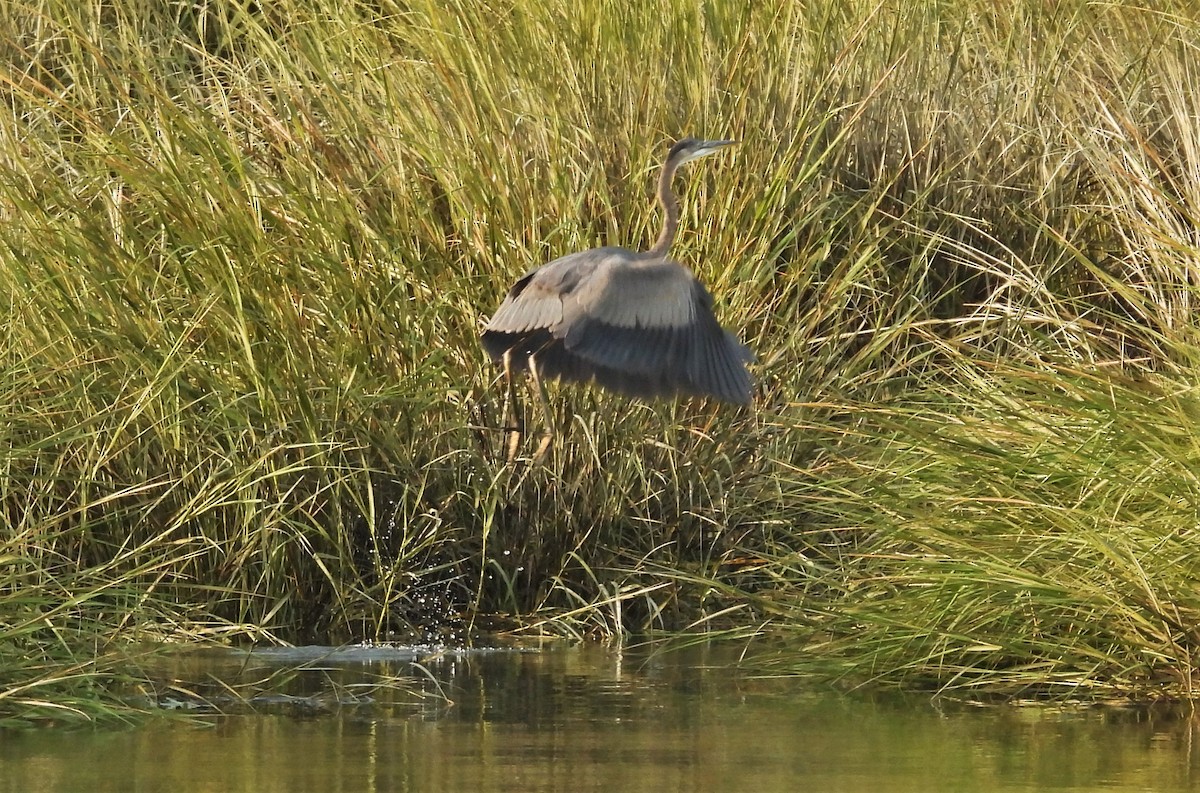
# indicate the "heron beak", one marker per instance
pixel 711 147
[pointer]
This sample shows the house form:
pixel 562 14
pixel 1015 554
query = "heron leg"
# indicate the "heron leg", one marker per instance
pixel 550 435
pixel 514 427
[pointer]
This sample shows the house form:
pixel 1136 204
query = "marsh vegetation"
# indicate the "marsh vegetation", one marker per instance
pixel 246 250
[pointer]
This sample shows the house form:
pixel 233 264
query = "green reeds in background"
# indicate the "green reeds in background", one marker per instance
pixel 246 249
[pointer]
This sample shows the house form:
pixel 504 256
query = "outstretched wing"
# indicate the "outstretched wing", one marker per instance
pixel 641 328
pixel 530 305
pixel 532 311
pixel 649 329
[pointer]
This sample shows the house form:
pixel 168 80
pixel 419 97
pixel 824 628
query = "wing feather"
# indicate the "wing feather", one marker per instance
pixel 733 388
pixel 629 293
pixel 528 306
pixel 653 323
pixel 714 366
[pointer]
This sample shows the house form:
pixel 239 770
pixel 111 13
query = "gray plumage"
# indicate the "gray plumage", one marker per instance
pixel 637 323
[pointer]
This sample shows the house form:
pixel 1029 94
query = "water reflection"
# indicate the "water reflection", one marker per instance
pixel 586 718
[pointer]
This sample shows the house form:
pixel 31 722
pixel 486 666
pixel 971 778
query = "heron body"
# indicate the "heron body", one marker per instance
pixel 637 323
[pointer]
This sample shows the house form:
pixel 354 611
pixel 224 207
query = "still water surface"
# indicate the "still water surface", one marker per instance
pixel 590 718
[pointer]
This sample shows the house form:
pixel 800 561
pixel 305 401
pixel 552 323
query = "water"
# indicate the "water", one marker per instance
pixel 588 718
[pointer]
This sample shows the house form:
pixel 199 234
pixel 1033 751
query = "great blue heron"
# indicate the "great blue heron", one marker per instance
pixel 637 323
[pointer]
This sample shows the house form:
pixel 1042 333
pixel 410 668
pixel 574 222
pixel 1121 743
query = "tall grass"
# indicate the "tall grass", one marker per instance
pixel 246 251
pixel 1000 538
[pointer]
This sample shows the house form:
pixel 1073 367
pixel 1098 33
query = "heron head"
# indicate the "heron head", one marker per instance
pixel 690 149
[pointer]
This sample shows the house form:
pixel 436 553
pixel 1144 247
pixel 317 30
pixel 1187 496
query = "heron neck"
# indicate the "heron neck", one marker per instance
pixel 670 212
